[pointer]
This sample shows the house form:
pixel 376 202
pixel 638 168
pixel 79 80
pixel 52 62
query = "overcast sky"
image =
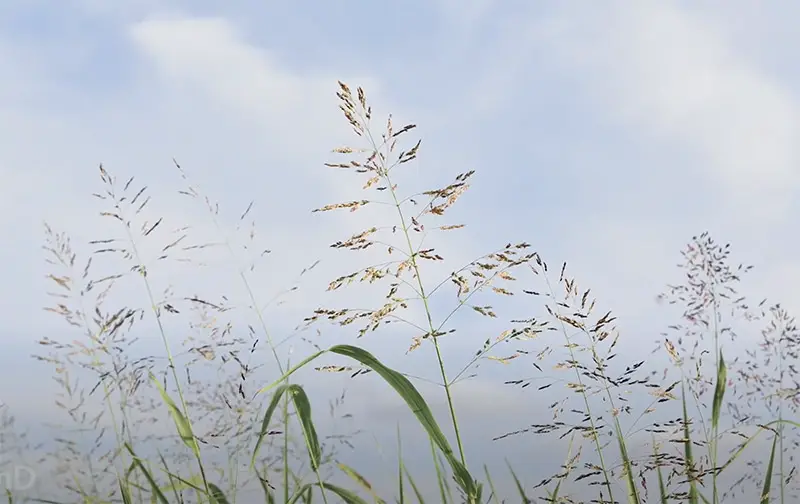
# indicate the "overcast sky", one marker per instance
pixel 603 135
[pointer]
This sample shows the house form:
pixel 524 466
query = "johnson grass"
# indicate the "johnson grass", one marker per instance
pixel 212 387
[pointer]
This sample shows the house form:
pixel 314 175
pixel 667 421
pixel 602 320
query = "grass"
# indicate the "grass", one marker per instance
pixel 224 404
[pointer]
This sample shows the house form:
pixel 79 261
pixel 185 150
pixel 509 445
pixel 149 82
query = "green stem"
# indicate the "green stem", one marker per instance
pixel 595 436
pixel 424 297
pixel 439 358
pixel 154 307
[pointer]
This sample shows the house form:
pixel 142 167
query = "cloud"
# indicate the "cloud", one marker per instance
pixel 664 130
pixel 677 75
pixel 210 54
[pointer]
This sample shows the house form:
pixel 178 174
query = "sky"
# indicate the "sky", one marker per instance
pixel 605 137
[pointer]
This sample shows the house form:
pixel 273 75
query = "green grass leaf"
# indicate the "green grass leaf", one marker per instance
pixel 414 486
pixel 662 488
pixel 157 493
pixel 768 476
pixel 719 392
pixel 124 492
pixel 633 491
pixel 217 495
pixel 348 496
pixel 688 458
pixel 494 496
pixel 520 489
pixel 361 481
pixel 303 407
pixel 181 423
pixel 413 400
pixel 401 489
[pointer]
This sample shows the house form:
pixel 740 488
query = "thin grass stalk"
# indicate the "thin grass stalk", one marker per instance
pixel 633 491
pixel 123 482
pixel 401 489
pixel 720 386
pixel 106 390
pixel 719 394
pixel 117 434
pixel 520 488
pixel 662 489
pixel 493 496
pixel 162 332
pixel 361 481
pixel 583 393
pixel 285 448
pixel 432 330
pixel 413 484
pixel 553 496
pixel 440 481
pixel 263 325
pixel 781 473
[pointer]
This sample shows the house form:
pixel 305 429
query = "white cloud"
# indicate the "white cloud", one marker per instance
pixel 711 139
pixel 211 56
pixel 675 75
pixel 209 52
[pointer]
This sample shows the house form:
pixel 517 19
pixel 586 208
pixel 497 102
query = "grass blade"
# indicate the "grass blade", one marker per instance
pixel 716 408
pixel 123 491
pixel 662 488
pixel 156 490
pixel 307 495
pixel 303 412
pixel 440 480
pixel 688 458
pixel 401 495
pixel 415 402
pixel 217 495
pixel 494 496
pixel 268 493
pixel 303 408
pixel 414 486
pixel 181 423
pixel 348 496
pixel 633 491
pixel 553 496
pixel 361 481
pixel 768 475
pixel 445 480
pixel 719 391
pixel 520 488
